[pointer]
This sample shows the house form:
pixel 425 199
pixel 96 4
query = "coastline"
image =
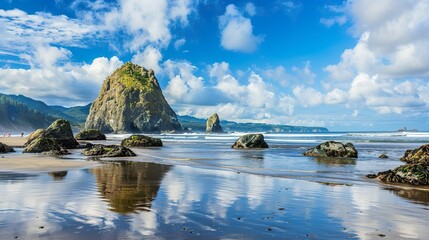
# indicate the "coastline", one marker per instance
pixel 40 163
pixel 15 142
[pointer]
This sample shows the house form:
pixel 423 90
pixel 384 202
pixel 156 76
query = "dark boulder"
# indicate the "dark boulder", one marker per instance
pixel 414 174
pixel 333 149
pixel 56 152
pixel 383 156
pixel 250 141
pixel 5 148
pixel 99 150
pixel 90 134
pixel 141 141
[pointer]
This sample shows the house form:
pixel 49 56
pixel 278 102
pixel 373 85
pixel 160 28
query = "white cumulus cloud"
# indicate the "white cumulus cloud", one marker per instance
pixel 237 31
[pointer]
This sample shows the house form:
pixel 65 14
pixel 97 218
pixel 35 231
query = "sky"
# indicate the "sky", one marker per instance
pixel 342 64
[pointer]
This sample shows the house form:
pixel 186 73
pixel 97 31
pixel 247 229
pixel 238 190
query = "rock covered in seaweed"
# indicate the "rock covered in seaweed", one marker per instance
pixel 131 101
pixel 213 124
pixel 90 134
pixel 250 141
pixel 419 155
pixel 415 172
pixel 333 149
pixel 141 141
pixel 100 150
pixel 58 135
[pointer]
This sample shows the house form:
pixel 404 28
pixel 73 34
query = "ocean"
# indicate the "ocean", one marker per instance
pixel 197 187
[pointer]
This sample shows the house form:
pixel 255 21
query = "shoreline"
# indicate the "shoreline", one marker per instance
pixel 40 163
pixel 15 142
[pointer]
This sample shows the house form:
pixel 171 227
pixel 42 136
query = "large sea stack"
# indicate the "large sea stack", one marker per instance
pixel 131 101
pixel 213 124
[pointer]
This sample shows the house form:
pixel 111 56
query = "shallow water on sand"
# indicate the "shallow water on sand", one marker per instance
pixel 197 187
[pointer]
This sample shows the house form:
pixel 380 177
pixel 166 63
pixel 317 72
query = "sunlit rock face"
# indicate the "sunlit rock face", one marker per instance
pixel 58 135
pixel 131 101
pixel 213 124
pixel 129 186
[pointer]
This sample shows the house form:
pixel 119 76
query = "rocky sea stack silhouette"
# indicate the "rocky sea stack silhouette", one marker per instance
pixel 131 101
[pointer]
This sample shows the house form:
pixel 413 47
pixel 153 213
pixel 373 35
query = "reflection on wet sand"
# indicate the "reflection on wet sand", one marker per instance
pixel 335 161
pixel 129 186
pixel 12 176
pixel 415 195
pixel 58 176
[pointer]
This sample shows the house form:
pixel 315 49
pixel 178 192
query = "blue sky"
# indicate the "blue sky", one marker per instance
pixel 345 65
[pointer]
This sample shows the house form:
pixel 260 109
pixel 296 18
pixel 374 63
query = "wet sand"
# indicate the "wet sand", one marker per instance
pixel 13 141
pixel 38 163
pixel 197 187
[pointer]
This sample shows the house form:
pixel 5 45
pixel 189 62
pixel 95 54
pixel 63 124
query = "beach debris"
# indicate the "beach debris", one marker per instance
pixel 5 148
pixel 415 172
pixel 333 149
pixel 58 135
pixel 383 156
pixel 213 124
pixel 90 134
pixel 100 150
pixel 141 141
pixel 250 141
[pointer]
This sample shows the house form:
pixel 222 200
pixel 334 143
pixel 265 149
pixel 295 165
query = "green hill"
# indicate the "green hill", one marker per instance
pixel 21 113
pixel 16 116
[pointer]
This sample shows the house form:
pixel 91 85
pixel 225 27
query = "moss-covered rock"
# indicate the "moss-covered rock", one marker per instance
pixel 41 144
pixel 59 132
pixel 56 152
pixel 108 151
pixel 90 134
pixel 333 149
pixel 213 124
pixel 35 134
pixel 415 174
pixel 250 141
pixel 141 141
pixel 5 148
pixel 420 155
pixel 131 101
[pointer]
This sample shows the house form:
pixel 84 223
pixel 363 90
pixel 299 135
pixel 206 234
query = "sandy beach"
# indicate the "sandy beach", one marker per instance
pixel 38 163
pixel 13 141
